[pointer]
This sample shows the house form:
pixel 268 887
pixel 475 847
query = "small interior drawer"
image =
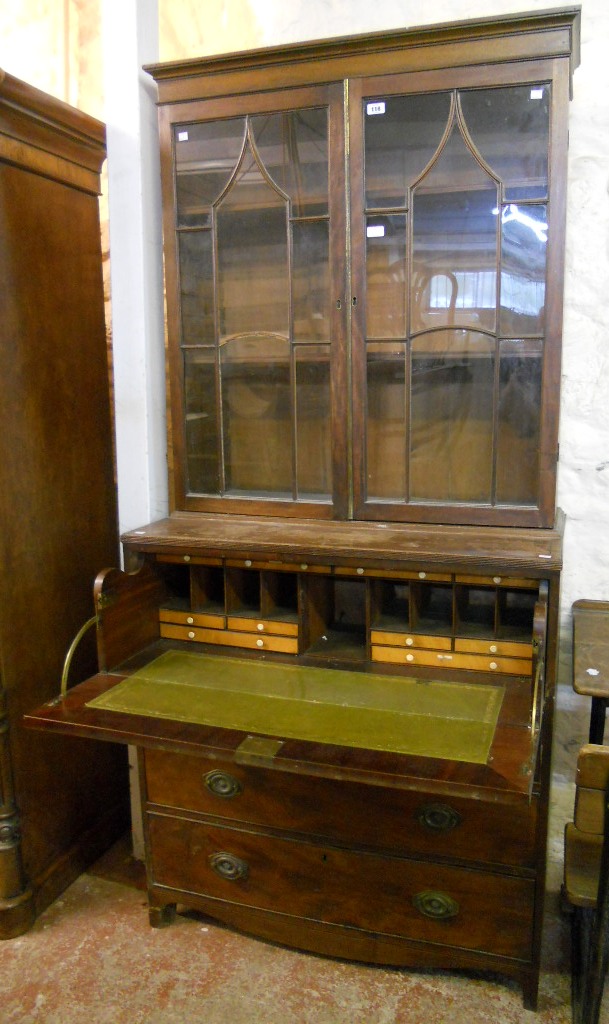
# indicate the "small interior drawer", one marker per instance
pixel 393 638
pixel 230 638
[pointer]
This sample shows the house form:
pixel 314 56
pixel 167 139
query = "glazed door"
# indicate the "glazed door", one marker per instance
pixel 255 255
pixel 454 350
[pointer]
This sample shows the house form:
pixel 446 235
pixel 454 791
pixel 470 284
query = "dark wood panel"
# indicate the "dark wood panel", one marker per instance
pixel 352 889
pixel 404 821
pixel 58 522
pixel 533 552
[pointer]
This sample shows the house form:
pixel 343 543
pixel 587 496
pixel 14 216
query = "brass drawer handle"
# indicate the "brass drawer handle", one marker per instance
pixel 229 867
pixel 222 784
pixel 437 905
pixel 439 817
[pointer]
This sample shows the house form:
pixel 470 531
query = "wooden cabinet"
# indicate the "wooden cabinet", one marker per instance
pixel 337 655
pixel 297 753
pixel 61 803
pixel 364 270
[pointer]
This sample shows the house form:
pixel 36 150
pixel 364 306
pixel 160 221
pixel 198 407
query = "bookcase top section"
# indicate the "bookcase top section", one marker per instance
pixel 530 35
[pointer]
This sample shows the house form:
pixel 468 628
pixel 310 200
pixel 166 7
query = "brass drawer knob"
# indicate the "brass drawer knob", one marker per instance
pixel 222 784
pixel 437 905
pixel 439 817
pixel 232 868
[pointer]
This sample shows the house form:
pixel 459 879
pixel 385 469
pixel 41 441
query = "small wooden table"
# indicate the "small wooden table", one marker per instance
pixel 591 660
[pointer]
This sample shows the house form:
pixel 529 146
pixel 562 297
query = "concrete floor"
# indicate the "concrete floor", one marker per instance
pixel 92 958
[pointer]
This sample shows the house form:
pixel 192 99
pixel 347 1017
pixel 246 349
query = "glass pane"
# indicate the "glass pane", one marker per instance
pixel 206 155
pixel 201 421
pixel 252 256
pixel 510 128
pixel 386 276
pixel 451 430
pixel 311 281
pixel 455 238
pixel 256 410
pixel 313 440
pixel 524 238
pixel 519 422
pixel 402 134
pixel 293 148
pixel 386 434
pixel 196 287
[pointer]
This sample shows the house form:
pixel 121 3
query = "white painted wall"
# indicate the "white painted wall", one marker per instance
pixel 130 39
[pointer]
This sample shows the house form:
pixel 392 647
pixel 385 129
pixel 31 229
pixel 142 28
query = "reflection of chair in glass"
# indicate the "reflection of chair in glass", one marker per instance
pixel 586 882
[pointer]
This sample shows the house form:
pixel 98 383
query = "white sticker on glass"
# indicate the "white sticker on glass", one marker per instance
pixel 536 94
pixel 375 108
pixel 375 231
pixel 182 136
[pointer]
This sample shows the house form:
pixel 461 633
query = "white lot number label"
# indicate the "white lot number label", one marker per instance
pixel 378 107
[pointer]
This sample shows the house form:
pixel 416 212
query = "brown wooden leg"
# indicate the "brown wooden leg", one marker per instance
pixel 17 909
pixel 161 917
pixel 530 991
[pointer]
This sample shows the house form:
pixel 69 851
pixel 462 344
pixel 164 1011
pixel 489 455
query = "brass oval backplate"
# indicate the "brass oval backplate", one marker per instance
pixel 439 817
pixel 228 866
pixel 222 784
pixel 438 905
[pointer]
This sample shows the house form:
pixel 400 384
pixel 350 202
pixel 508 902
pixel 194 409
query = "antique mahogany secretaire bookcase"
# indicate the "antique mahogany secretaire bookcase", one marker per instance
pixel 337 655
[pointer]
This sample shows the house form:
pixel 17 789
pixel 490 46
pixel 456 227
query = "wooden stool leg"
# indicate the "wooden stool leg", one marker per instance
pixel 596 969
pixel 581 925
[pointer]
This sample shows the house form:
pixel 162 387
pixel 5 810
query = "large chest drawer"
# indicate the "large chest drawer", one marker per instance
pixel 404 821
pixel 387 895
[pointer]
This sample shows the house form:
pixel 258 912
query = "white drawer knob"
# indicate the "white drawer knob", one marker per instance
pixel 187 558
pixel 259 643
pixel 248 562
pixel 493 648
pixel 493 665
pixel 190 620
pixel 360 572
pixel 497 579
pixel 260 626
pixel 191 634
pixel 409 641
pixel 422 575
pixel 304 566
pixel 410 657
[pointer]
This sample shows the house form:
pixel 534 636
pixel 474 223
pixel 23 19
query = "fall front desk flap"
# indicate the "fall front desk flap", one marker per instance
pixel 426 718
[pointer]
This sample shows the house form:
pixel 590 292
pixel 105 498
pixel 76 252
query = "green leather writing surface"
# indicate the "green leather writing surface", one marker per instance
pixel 428 718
